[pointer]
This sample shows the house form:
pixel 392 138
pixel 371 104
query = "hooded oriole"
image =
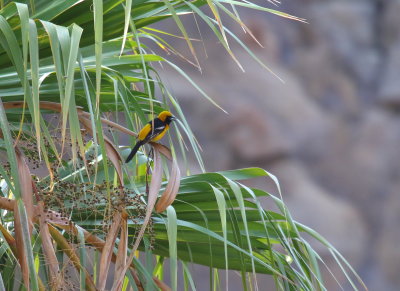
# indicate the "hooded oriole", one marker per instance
pixel 154 130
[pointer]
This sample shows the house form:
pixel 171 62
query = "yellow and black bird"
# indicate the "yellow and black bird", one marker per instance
pixel 154 130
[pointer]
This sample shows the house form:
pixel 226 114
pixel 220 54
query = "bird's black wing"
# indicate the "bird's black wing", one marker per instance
pixel 157 126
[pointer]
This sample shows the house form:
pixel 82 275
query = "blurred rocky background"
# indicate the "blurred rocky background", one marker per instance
pixel 330 132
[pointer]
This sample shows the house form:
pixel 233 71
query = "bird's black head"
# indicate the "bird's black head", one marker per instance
pixel 169 119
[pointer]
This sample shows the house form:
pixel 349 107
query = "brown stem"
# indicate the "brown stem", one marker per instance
pixel 7 204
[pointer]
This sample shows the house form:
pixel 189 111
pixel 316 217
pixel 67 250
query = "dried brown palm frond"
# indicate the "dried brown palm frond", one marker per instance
pixel 48 249
pixel 47 217
pixel 168 196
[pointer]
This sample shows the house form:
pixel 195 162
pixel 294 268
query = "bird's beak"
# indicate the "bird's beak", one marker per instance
pixel 173 118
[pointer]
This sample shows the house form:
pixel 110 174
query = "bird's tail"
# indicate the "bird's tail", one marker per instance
pixel 133 152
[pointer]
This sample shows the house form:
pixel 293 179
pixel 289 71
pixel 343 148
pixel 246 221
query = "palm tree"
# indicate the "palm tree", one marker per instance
pixel 72 214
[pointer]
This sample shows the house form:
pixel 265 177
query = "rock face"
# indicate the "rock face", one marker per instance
pixel 336 219
pixel 330 132
pixel 389 90
pixel 386 251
